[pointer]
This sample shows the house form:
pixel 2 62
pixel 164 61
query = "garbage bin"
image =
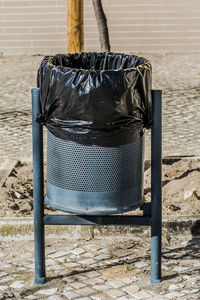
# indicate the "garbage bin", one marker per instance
pixel 96 107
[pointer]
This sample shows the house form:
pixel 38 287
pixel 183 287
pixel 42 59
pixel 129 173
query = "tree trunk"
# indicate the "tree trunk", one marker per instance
pixel 102 26
pixel 75 30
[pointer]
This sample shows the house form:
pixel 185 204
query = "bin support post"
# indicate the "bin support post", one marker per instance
pixel 156 186
pixel 38 189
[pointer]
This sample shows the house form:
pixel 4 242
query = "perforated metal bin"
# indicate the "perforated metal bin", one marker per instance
pixel 94 180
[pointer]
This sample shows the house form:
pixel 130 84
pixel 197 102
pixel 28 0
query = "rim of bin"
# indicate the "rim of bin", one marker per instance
pixel 146 65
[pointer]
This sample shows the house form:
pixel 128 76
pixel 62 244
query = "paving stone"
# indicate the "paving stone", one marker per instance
pixel 92 274
pixel 3 287
pixel 78 251
pixel 47 292
pixel 17 284
pixel 84 298
pixel 101 287
pixel 77 285
pixel 58 254
pixel 97 265
pixel 142 295
pixel 114 293
pixel 172 295
pixel 50 262
pixel 157 297
pixel 100 296
pixel 88 261
pixel 30 266
pixel 31 297
pixel 123 298
pixel 85 291
pixel 70 264
pixel 194 291
pixel 79 277
pixel 54 297
pixel 96 280
pixel 21 269
pixel 140 264
pixel 68 288
pixel 132 289
pixel 5 279
pixel 172 287
pixel 5 266
pixel 115 283
pixel 102 256
pixel 180 269
pixel 91 247
pixel 70 295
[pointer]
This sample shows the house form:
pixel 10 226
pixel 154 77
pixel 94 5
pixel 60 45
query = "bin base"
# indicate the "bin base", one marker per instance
pixel 93 203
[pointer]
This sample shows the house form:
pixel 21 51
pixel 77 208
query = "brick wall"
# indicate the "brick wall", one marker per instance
pixel 39 26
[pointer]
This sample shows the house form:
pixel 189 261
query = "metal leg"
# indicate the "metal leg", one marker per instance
pixel 38 190
pixel 156 187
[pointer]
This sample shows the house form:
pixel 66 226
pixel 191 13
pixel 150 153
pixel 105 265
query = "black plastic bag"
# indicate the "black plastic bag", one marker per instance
pixel 96 98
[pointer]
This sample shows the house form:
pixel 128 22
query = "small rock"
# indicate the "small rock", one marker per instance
pixel 18 195
pixel 173 207
pixel 189 195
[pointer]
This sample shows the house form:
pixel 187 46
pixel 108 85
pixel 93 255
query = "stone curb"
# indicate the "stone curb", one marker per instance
pixel 16 227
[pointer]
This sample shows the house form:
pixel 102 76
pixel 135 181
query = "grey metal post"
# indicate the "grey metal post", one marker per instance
pixel 156 186
pixel 38 189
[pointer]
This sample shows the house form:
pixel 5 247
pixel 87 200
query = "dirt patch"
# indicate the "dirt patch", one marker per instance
pixel 16 195
pixel 181 189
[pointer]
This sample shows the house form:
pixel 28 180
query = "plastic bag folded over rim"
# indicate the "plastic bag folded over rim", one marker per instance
pixel 96 98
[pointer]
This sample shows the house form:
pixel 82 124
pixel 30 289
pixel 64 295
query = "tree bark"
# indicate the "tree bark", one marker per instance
pixel 102 26
pixel 75 30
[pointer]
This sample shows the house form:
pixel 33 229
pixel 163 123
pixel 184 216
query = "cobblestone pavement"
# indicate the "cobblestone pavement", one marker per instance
pixel 101 268
pixel 177 75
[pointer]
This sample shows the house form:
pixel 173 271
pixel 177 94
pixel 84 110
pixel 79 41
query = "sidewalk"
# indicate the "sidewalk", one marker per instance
pixel 101 268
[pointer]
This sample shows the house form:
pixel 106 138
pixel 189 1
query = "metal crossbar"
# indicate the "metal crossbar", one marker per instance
pixel 97 220
pixel 151 211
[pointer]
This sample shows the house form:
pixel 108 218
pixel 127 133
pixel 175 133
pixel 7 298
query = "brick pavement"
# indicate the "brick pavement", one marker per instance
pixel 100 268
pixel 177 75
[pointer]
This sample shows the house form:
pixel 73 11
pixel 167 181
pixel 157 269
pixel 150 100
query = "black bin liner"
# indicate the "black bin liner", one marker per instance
pixel 96 98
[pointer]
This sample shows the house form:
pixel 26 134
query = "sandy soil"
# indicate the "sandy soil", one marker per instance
pixel 181 189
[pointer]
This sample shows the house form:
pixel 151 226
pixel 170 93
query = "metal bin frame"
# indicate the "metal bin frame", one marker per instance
pixel 152 212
